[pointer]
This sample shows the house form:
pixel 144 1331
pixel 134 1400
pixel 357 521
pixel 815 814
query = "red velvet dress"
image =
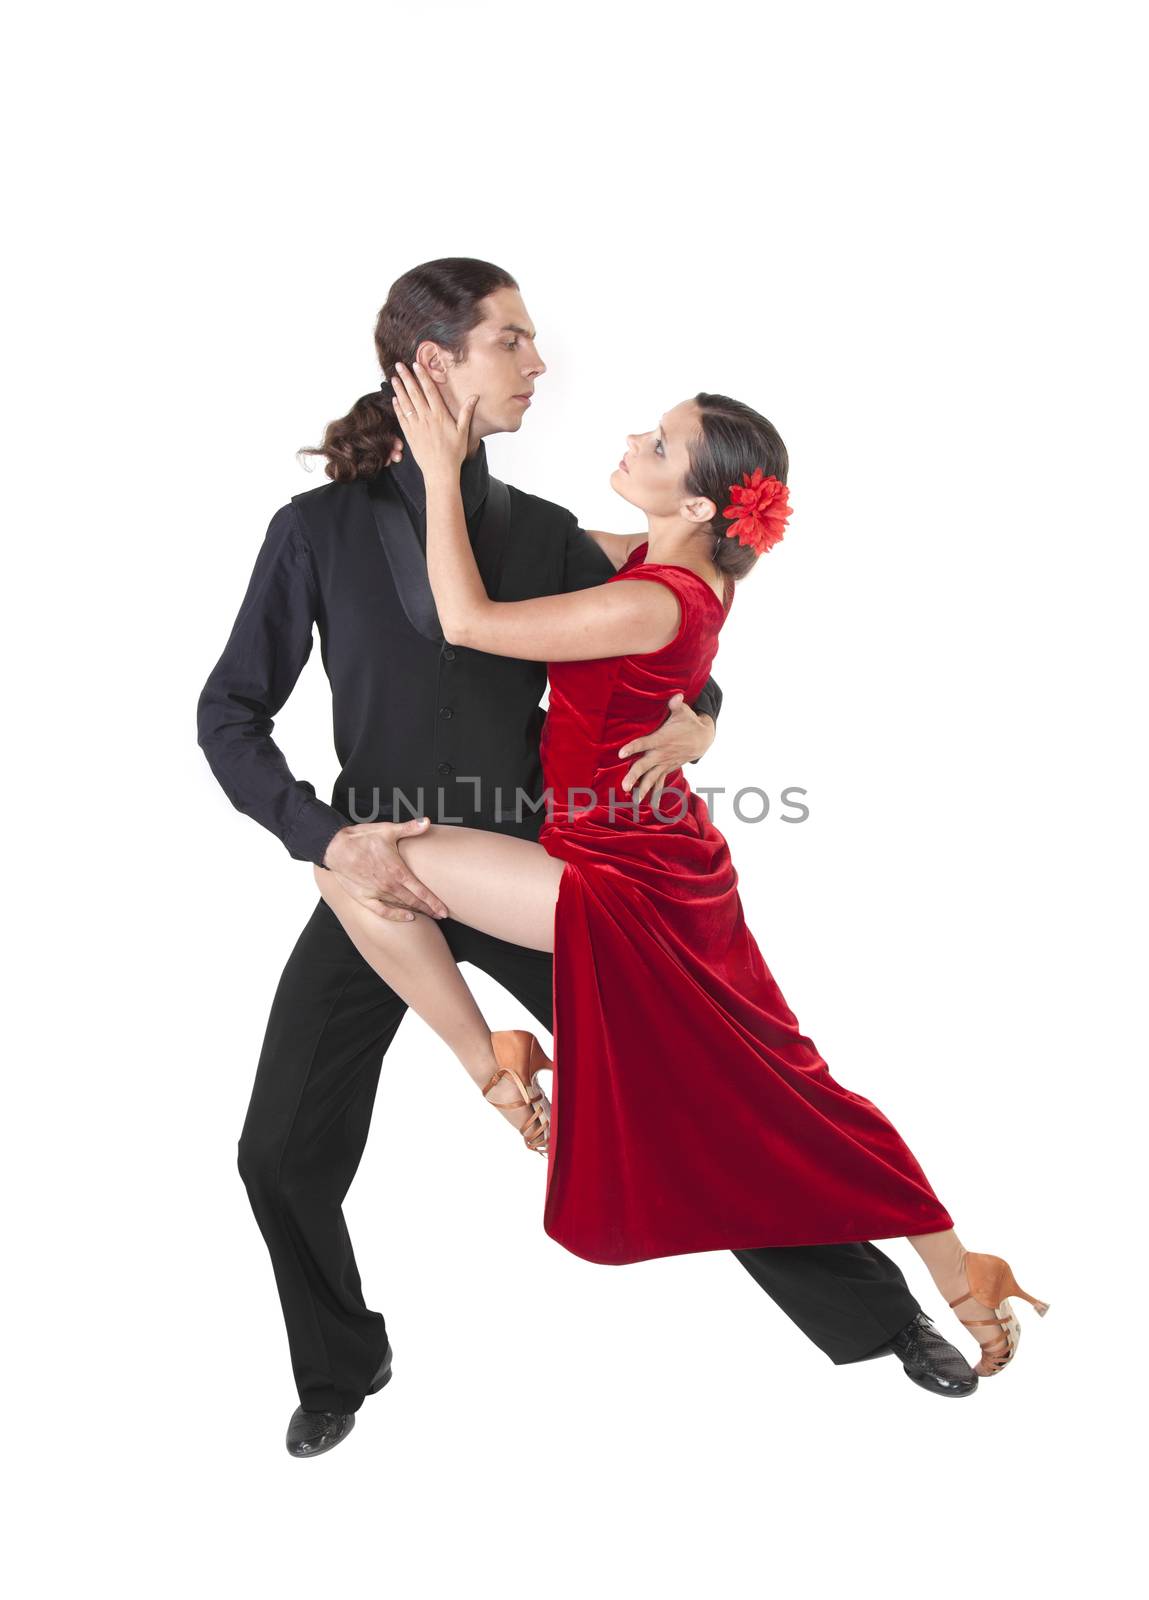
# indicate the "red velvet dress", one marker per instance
pixel 688 1110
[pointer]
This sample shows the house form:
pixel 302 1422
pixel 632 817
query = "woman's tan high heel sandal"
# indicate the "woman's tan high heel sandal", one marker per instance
pixel 991 1282
pixel 521 1058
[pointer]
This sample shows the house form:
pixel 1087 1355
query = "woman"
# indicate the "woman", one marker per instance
pixel 690 1113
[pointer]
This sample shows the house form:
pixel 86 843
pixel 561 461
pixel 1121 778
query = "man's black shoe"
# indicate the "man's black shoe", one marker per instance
pixel 932 1361
pixel 311 1433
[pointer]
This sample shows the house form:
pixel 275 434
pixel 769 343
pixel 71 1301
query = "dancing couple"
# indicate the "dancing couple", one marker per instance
pixel 687 1111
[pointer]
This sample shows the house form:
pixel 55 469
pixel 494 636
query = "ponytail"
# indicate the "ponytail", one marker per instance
pixel 359 445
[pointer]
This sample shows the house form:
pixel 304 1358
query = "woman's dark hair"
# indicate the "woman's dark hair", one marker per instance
pixel 439 301
pixel 734 439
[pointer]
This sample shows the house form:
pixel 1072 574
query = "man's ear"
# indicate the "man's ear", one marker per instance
pixel 699 510
pixel 430 357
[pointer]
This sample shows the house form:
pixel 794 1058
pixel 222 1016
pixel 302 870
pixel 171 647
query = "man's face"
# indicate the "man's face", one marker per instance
pixel 502 366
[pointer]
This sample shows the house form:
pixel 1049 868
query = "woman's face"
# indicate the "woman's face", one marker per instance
pixel 652 473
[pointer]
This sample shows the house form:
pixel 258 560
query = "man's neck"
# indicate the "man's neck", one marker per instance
pixel 476 441
pixel 473 479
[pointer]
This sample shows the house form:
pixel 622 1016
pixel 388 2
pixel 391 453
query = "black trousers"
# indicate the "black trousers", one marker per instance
pixel 331 1022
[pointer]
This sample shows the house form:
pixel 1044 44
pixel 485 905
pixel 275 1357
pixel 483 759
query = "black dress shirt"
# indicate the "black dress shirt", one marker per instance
pixel 420 725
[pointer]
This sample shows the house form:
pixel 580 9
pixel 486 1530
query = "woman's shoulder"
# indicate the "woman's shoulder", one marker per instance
pixel 684 580
pixel 636 553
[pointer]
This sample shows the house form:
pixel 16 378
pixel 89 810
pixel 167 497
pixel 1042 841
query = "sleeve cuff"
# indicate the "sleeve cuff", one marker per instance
pixel 313 830
pixel 703 707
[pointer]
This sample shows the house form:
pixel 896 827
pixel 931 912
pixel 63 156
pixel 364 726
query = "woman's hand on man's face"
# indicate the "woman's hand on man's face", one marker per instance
pixel 438 441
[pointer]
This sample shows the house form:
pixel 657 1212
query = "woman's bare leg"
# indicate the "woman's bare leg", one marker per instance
pixel 944 1255
pixel 502 886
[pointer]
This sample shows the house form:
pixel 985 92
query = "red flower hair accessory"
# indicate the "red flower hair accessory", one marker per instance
pixel 758 515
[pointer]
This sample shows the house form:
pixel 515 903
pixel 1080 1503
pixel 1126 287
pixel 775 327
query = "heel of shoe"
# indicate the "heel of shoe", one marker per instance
pixel 518 1048
pixel 381 1381
pixel 540 1062
pixel 520 1058
pixel 991 1281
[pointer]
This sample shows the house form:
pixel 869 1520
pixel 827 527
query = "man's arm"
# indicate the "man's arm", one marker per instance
pixel 587 563
pixel 269 645
pixel 618 547
pixel 709 703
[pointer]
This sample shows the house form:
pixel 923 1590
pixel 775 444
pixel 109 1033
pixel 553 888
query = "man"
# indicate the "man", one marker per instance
pixel 419 722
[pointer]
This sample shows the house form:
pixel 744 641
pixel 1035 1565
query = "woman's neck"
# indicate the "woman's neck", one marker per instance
pixel 686 547
pixel 681 546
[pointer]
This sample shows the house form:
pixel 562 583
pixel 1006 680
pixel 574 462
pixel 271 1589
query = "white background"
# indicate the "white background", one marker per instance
pixel 907 234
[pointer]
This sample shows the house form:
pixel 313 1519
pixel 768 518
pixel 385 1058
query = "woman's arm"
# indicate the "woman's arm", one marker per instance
pixel 612 619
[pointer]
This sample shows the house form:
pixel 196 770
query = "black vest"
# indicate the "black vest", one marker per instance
pixel 424 728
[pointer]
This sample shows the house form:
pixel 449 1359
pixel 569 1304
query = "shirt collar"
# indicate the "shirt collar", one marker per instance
pixel 474 478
